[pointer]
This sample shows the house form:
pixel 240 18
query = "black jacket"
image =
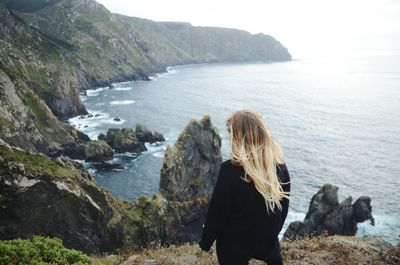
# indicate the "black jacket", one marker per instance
pixel 237 212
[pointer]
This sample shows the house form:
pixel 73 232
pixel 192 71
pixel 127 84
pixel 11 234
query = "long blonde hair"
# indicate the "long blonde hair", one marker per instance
pixel 254 148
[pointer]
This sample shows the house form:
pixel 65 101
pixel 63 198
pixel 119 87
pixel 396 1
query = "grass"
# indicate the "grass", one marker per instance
pixel 330 250
pixel 39 250
pixel 41 117
pixel 4 122
pixel 39 78
pixel 36 163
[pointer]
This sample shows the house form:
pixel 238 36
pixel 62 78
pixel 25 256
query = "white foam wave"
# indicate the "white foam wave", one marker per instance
pixel 386 226
pixel 156 149
pixel 158 154
pixel 95 92
pixel 122 102
pixel 168 71
pixel 89 124
pixel 121 84
pixel 126 88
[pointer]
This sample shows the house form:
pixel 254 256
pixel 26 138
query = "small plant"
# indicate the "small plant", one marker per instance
pixel 39 250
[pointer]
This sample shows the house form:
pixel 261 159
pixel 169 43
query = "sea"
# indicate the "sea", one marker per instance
pixel 336 116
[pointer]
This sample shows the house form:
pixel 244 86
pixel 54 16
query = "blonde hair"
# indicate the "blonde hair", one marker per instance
pixel 254 148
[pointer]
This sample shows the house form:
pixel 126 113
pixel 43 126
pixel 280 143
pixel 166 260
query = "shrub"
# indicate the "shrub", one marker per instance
pixel 39 250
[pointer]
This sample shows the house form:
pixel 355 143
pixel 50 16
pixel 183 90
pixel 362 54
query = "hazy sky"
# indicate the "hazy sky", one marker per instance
pixel 302 26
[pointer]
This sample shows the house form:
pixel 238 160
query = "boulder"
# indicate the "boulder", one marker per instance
pixel 98 150
pixel 124 140
pixel 145 135
pixel 107 166
pixel 327 215
pixel 73 150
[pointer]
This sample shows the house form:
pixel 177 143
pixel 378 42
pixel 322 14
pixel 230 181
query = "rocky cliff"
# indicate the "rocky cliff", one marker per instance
pixel 189 173
pixel 53 50
pixel 57 197
pixel 40 196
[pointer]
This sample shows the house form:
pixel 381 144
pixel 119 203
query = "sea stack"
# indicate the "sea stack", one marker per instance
pixel 327 216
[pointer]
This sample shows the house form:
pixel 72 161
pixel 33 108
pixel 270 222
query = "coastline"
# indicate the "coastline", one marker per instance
pixel 363 230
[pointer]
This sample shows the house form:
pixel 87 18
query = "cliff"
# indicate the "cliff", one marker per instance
pixel 57 197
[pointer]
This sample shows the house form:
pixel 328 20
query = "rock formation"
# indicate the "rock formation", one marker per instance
pixel 39 196
pixel 98 151
pixel 123 140
pixel 327 215
pixel 189 172
pixel 107 166
pixel 145 135
pixel 127 140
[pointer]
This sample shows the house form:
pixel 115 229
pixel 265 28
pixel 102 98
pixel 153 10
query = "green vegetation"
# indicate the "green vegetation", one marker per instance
pixel 36 163
pixel 39 250
pixel 39 78
pixel 41 117
pixel 4 122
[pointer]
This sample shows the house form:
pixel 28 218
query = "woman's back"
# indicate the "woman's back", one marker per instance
pixel 238 218
pixel 251 197
pixel 249 212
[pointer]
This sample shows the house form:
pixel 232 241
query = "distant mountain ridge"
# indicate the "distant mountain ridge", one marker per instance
pixel 51 50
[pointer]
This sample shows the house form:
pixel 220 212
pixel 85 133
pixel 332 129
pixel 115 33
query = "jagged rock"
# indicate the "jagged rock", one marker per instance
pixel 327 215
pixel 124 140
pixel 176 213
pixel 59 199
pixel 362 210
pixel 98 150
pixel 73 150
pixel 116 119
pixel 106 166
pixel 145 135
pixel 189 172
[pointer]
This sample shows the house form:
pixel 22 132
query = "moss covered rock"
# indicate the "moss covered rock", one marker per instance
pixel 98 150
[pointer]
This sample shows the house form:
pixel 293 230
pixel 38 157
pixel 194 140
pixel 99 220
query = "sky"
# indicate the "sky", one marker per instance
pixel 306 26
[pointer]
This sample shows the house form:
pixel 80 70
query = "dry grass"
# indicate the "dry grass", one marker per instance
pixel 332 250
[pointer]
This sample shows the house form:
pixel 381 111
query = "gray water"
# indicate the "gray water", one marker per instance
pixel 336 118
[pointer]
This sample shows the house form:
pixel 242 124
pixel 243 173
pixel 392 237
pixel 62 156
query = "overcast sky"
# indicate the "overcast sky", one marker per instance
pixel 302 26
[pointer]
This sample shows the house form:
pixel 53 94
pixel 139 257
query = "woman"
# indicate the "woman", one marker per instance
pixel 251 197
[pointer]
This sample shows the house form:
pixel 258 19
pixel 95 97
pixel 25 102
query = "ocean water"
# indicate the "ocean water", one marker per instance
pixel 337 119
